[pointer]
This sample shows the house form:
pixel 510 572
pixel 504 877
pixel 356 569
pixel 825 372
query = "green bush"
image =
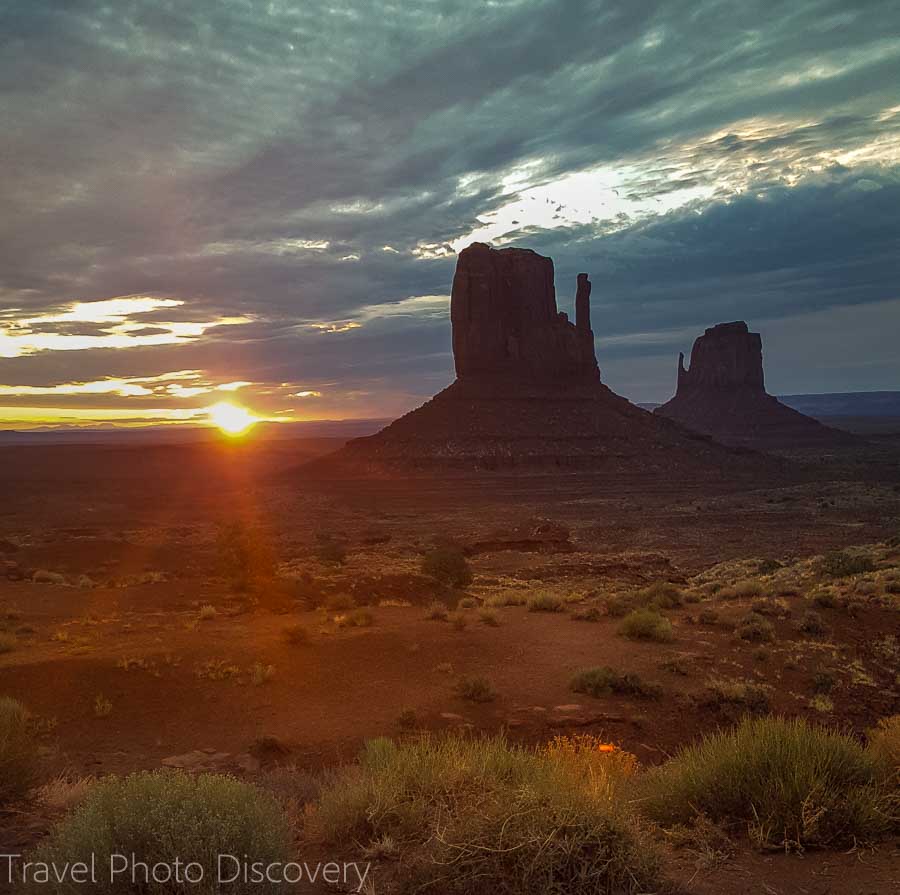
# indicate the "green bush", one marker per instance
pixel 18 752
pixel 619 605
pixel 448 564
pixel 646 624
pixel 479 816
pixel 163 816
pixel 844 563
pixel 544 603
pixel 791 783
pixel 603 681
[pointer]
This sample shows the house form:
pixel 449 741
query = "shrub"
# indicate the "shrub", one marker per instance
pixel 734 696
pixel 603 681
pixel 340 603
pixel 330 551
pixel 102 706
pixel 207 612
pixel 437 611
pixel 458 620
pixel 261 674
pixel 884 746
pixel 794 784
pixel 358 618
pixel 619 605
pixel 749 587
pixel 507 598
pixel 8 642
pixel 587 614
pixel 296 635
pixel 467 603
pixel 812 623
pixel 448 564
pixel 163 816
pixel 407 719
pixel 646 624
pixel 18 752
pixel 844 563
pixel 544 603
pixel 823 682
pixel 476 689
pixel 825 598
pixel 708 617
pixel 481 815
pixel 245 555
pixel 489 616
pixel 755 629
pixel 661 595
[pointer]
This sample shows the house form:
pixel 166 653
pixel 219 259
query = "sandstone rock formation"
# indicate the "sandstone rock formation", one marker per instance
pixel 528 394
pixel 506 323
pixel 723 394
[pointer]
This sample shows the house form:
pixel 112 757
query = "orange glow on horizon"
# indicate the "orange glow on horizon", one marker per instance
pixel 230 418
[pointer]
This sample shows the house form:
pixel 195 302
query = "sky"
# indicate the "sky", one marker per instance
pixel 261 202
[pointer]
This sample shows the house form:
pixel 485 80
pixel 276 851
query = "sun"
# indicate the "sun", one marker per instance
pixel 230 418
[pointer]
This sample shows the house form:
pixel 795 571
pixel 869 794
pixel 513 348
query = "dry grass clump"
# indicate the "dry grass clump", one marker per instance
pixel 587 614
pixel 458 620
pixel 506 598
pixel 754 628
pixel 437 611
pixel 208 612
pixel 792 784
pixel 340 603
pixel 482 815
pixel 884 745
pixel 475 689
pixel 734 696
pixel 18 750
pixel 544 603
pixel 296 635
pixel 646 624
pixel 160 817
pixel 746 589
pixel 661 595
pixel 604 681
pixel 488 616
pixel 358 618
pixel 812 623
pixel 63 793
pixel 8 642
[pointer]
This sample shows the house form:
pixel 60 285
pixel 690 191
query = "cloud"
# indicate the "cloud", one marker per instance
pixel 286 184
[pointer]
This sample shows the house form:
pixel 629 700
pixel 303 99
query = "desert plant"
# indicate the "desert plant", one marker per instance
pixel 844 563
pixel 646 624
pixel 884 746
pixel 791 783
pixel 18 751
pixel 246 555
pixel 481 815
pixel 488 616
pixel 161 817
pixel 732 696
pixel 458 620
pixel 467 603
pixel 544 603
pixel 331 552
pixel 475 689
pixel 8 642
pixel 102 706
pixel 661 595
pixel 825 598
pixel 296 635
pixel 261 674
pixel 437 611
pixel 407 719
pixel 755 629
pixel 448 564
pixel 587 614
pixel 708 617
pixel 340 603
pixel 603 681
pixel 207 612
pixel 358 618
pixel 823 682
pixel 812 623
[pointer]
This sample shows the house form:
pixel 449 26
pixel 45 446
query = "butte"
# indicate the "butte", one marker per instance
pixel 723 395
pixel 528 396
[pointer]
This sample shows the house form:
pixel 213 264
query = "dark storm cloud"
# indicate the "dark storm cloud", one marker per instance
pixel 256 159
